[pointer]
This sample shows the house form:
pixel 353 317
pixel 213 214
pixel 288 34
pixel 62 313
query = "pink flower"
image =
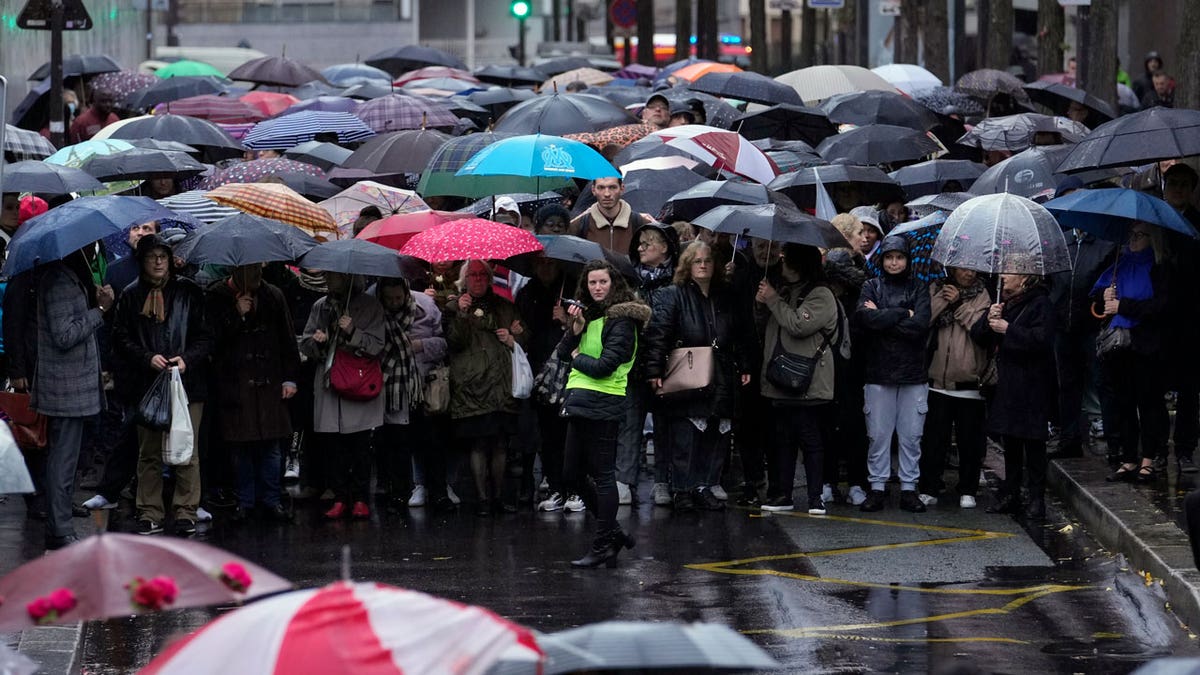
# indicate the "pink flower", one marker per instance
pixel 152 595
pixel 235 577
pixel 62 600
pixel 49 608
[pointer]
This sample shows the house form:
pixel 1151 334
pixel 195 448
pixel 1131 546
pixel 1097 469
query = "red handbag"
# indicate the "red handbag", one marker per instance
pixel 28 426
pixel 355 378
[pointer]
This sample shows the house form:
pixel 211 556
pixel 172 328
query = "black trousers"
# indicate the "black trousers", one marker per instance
pixel 796 427
pixel 553 429
pixel 122 459
pixel 846 430
pixel 398 445
pixel 1138 387
pixel 750 433
pixel 350 465
pixel 591 449
pixel 953 419
pixel 697 457
pixel 1024 456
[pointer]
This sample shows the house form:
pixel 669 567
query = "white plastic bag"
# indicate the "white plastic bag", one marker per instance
pixel 179 441
pixel 522 373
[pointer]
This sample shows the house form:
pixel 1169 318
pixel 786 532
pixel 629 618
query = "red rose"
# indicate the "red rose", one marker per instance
pixel 62 600
pixel 152 595
pixel 48 609
pixel 235 577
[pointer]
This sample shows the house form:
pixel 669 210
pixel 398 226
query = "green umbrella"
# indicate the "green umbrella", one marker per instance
pixel 439 179
pixel 187 68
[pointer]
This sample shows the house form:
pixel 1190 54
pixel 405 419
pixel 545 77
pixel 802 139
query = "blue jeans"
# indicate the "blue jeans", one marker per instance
pixel 257 473
pixel 900 409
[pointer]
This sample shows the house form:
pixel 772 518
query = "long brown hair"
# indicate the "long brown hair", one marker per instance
pixel 617 293
pixel 683 270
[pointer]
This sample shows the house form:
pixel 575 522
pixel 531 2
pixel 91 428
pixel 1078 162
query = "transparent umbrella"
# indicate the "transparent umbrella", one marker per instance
pixel 1002 234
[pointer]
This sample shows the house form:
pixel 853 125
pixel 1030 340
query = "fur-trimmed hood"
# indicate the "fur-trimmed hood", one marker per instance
pixel 633 309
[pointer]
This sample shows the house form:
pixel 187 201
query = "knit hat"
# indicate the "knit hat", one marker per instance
pixel 30 207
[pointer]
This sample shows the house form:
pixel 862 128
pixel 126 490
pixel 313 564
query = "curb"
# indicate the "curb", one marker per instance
pixel 1125 522
pixel 54 648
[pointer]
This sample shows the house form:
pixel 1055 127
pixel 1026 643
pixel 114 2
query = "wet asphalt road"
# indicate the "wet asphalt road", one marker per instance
pixel 846 593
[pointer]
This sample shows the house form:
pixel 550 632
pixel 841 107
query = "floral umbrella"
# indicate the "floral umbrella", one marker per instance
pixel 278 202
pixel 257 169
pixel 122 83
pixel 345 205
pixel 471 239
pixel 114 575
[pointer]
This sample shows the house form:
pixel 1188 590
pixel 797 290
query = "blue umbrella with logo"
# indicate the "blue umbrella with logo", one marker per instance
pixel 1108 213
pixel 539 155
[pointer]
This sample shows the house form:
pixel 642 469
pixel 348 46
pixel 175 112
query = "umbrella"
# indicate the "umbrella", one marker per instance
pixel 368 90
pixel 194 204
pixel 1018 132
pixel 354 256
pixel 25 144
pixel 279 71
pixel 1026 173
pixel 310 186
pixel 278 202
pixel 878 107
pixel 434 73
pixel 622 95
pixel 931 177
pixel 945 101
pixel 345 205
pixel 746 86
pixel 324 156
pixel 396 112
pixel 155 144
pixel 398 152
pixel 908 78
pixel 636 71
pixel 243 239
pixel 187 68
pixel 121 84
pixel 500 99
pixel 587 75
pixel 471 116
pixel 77 65
pixel 270 103
pixel 1059 97
pixel 47 179
pixel 1108 213
pixel 717 112
pixel 510 76
pixel 175 89
pixel 339 74
pixel 774 222
pixel 76 155
pixel 641 645
pixel 470 239
pixel 1138 138
pixel 817 83
pixel 877 144
pixel 258 169
pixel 574 252
pixel 563 114
pixel 290 130
pixel 942 201
pixel 395 231
pixel 14 476
pixel 560 657
pixel 142 164
pixel 562 64
pixel 323 104
pixel 1002 234
pixel 722 149
pixel 214 108
pixel 871 185
pixel 344 177
pixel 922 237
pixel 707 195
pixel 65 229
pixel 694 71
pixel 987 83
pixel 441 86
pixel 399 60
pixel 647 190
pixel 790 160
pixel 528 203
pixel 439 176
pixel 786 122
pixel 539 155
pixel 195 132
pixel 619 136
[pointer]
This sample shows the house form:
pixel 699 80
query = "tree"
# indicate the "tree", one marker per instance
pixel 707 37
pixel 1000 35
pixel 683 29
pixel 1101 74
pixel 758 36
pixel 645 32
pixel 808 37
pixel 910 32
pixel 1187 76
pixel 936 21
pixel 1051 33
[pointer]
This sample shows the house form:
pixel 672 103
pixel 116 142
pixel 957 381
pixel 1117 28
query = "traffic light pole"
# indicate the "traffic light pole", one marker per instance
pixel 521 42
pixel 57 126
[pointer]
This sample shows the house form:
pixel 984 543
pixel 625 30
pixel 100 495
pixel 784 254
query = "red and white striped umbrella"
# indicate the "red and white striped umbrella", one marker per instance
pixel 722 149
pixel 349 628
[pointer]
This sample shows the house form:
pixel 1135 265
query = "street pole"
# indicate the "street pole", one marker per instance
pixel 149 29
pixel 785 39
pixel 556 14
pixel 57 125
pixel 3 120
pixel 471 34
pixel 862 30
pixel 520 43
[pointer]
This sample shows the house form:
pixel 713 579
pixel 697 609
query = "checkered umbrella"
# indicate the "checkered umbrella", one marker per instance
pixel 220 109
pixel 122 83
pixel 277 202
pixel 195 204
pixel 396 112
pixel 439 179
pixel 257 169
pixel 25 144
pixel 289 131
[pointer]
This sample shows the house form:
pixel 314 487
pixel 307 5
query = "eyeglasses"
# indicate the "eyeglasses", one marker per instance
pixel 158 257
pixel 647 244
pixel 702 261
pixel 1139 235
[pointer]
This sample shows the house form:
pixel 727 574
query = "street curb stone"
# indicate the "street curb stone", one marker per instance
pixel 1126 522
pixel 55 649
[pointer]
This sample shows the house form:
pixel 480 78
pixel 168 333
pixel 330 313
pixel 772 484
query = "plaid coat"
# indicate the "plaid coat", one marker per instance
pixel 66 380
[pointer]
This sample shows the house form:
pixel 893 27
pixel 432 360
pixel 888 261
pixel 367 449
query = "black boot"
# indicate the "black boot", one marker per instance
pixel 1009 504
pixel 619 540
pixel 601 553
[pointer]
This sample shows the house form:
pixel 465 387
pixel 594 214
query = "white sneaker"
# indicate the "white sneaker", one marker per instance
pixel 202 515
pixel 418 497
pixel 552 503
pixel 661 494
pixel 827 493
pixel 857 495
pixel 574 504
pixel 927 500
pixel 453 497
pixel 966 502
pixel 292 470
pixel 624 494
pixel 99 503
pixel 719 492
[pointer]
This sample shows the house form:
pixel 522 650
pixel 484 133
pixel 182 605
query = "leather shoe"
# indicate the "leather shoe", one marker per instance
pixel 55 543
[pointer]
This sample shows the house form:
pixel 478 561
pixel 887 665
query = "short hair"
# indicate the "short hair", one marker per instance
pixel 683 271
pixel 1182 171
pixel 684 229
pixel 805 261
pixel 1160 74
pixel 462 273
pixel 848 224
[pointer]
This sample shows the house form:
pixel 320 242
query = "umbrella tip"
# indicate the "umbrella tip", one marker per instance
pixel 346 563
pixel 554 83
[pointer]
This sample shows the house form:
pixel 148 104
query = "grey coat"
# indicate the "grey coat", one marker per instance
pixel 426 328
pixel 66 380
pixel 332 414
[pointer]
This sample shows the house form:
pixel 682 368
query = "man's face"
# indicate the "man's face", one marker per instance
pixel 156 264
pixel 608 192
pixel 1077 112
pixel 1177 191
pixel 103 103
pixel 656 113
pixel 248 277
pixel 1162 85
pixel 138 231
pixel 1154 65
pixel 11 211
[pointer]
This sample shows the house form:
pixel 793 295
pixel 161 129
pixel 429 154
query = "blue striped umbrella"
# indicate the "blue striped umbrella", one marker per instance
pixel 289 131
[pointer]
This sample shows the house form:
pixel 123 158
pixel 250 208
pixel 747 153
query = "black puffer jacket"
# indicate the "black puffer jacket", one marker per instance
pixel 623 322
pixel 684 317
pixel 893 341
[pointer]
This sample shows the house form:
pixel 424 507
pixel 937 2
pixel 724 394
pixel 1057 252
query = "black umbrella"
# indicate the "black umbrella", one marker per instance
pixel 399 60
pixel 499 100
pixel 368 91
pixel 773 222
pixel 345 178
pixel 1059 97
pixel 946 101
pixel 510 76
pixel 878 107
pixel 399 152
pixel 871 185
pixel 786 123
pixel 279 71
pixel 877 144
pixel 794 145
pixel 562 64
pixel 931 177
pixel 705 196
pixel 243 239
pixel 469 113
pixel 1025 173
pixel 315 89
pixel 175 88
pixel 942 201
pixel 1139 138
pixel 561 114
pixel 646 190
pixel 574 252
pixel 1017 132
pixel 987 83
pixel 652 147
pixel 747 86
pixel 355 256
pixel 142 164
pixel 47 179
pixel 622 95
pixel 717 112
pixel 316 189
pixel 323 155
pixel 77 65
pixel 208 137
pixel 527 202
pixel 157 144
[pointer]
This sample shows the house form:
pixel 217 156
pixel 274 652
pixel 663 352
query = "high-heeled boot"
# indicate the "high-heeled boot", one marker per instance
pixel 601 553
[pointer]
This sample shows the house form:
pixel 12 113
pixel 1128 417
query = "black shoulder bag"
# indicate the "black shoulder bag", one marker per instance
pixel 794 372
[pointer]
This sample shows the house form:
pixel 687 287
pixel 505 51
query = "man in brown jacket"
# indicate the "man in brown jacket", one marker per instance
pixel 609 222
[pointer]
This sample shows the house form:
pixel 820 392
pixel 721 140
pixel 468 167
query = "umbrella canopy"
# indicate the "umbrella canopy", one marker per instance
pixel 1059 98
pixel 908 78
pixel 589 76
pixel 694 71
pixel 47 179
pixel 942 201
pixel 155 144
pixel 1026 173
pixel 1018 132
pixel 1002 234
pixel 639 645
pixel 790 160
pixel 434 73
pixel 931 177
pixel 877 144
pixel 560 657
pixel 76 155
pixel 562 64
pixel 278 202
pixel 619 136
pixel 774 222
pixel 440 87
pixel 243 239
pixel 817 83
pixel 193 203
pixel 188 68
pixel 400 60
pixel 500 99
pixel 258 169
pixel 563 114
pixel 340 73
pixel 396 112
pixel 25 144
pixel 539 155
pixel 77 65
pixel 624 96
pixel 440 174
pixel 195 132
pixel 398 152
pixel 987 83
pixel 946 101
pixel 142 164
pixel 879 107
pixel 323 104
pixel 470 239
pixel 1108 213
pixel 354 256
pixel 786 122
pixel 324 156
pixel 175 89
pixel 121 84
pixel 1138 138
pixel 367 90
pixel 310 186
pixel 345 205
pixel 270 103
pixel 14 476
pixel 220 109
pixel 647 190
pixel 395 231
pixel 510 76
pixel 871 186
pixel 98 569
pixel 279 71
pixel 527 203
pixel 573 252
pixel 717 112
pixel 290 130
pixel 706 195
pixel 746 87
pixel 722 149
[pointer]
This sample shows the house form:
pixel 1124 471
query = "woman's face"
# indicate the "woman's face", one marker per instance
pixel 599 284
pixel 478 279
pixel 870 236
pixel 1139 237
pixel 652 248
pixel 894 262
pixel 858 238
pixel 1012 284
pixel 964 278
pixel 898 212
pixel 393 298
pixel 702 265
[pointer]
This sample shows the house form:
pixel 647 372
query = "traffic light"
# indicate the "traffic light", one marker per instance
pixel 520 9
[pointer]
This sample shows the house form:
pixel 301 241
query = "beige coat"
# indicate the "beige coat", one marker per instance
pixel 803 326
pixel 957 361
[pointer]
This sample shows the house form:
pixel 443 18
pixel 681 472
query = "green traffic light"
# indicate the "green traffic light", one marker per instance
pixel 520 9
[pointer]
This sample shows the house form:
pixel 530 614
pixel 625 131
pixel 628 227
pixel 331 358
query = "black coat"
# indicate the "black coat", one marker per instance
pixel 1025 396
pixel 136 339
pixel 1071 291
pixel 623 322
pixel 684 317
pixel 888 341
pixel 1154 316
pixel 536 302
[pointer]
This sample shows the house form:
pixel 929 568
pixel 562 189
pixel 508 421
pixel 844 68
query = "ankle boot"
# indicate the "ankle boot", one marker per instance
pixel 619 540
pixel 600 553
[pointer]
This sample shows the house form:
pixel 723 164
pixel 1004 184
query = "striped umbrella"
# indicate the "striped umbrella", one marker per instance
pixel 271 103
pixel 396 112
pixel 257 169
pixel 289 131
pixel 25 144
pixel 195 204
pixel 722 149
pixel 220 109
pixel 277 202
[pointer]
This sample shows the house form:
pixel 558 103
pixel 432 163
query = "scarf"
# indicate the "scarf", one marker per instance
pixel 649 275
pixel 313 281
pixel 946 318
pixel 1133 281
pixel 401 376
pixel 155 306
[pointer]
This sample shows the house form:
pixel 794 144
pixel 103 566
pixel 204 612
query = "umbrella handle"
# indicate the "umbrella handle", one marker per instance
pixel 1099 315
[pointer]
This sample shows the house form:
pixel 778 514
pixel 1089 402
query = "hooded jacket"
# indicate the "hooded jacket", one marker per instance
pixel 650 290
pixel 893 336
pixel 1145 84
pixel 620 326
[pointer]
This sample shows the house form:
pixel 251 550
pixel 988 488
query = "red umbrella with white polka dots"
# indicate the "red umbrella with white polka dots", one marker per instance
pixel 471 239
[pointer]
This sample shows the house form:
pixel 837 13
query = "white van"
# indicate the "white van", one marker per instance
pixel 223 59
